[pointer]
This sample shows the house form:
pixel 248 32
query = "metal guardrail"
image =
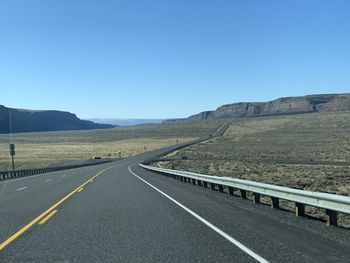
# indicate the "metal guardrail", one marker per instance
pixel 331 202
pixel 20 173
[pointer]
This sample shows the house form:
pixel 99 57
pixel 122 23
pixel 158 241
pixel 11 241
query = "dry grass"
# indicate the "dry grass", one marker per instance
pixel 309 151
pixel 49 154
pixel 44 149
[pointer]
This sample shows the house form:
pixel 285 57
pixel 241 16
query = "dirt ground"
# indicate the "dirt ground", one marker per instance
pixel 42 149
pixel 309 151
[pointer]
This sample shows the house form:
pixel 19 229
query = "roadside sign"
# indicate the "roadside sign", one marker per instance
pixel 12 149
pixel 12 153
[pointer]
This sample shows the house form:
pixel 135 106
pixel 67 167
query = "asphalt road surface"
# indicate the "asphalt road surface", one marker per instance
pixel 119 212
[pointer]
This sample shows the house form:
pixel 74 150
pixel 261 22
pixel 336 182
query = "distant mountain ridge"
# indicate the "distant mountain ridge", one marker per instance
pixel 126 122
pixel 20 120
pixel 285 105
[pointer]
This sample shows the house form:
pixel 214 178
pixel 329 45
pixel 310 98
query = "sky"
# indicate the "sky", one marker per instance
pixel 169 59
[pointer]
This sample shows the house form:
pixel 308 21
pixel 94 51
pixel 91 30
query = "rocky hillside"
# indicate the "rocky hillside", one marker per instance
pixel 287 105
pixel 15 120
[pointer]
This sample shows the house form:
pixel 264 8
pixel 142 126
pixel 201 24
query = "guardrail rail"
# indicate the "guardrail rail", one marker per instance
pixel 20 173
pixel 332 203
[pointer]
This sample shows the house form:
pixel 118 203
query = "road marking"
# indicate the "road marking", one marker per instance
pixel 37 219
pixel 23 178
pixel 206 222
pixel 48 180
pixel 33 176
pixel 43 221
pixel 22 188
pixel 28 177
pixel 81 189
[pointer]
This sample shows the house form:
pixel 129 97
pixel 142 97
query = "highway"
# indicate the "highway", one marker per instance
pixel 119 212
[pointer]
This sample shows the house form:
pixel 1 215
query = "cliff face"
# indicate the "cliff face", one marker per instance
pixel 202 116
pixel 13 121
pixel 287 105
pixel 340 102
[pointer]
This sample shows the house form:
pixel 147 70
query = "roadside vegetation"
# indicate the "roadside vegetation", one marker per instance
pixel 308 151
pixel 43 149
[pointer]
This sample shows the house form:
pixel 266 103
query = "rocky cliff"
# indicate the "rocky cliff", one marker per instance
pixel 15 120
pixel 287 105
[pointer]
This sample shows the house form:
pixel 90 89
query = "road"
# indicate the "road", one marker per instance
pixel 119 212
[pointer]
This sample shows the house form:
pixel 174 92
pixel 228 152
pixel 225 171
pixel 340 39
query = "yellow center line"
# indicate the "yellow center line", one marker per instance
pixel 81 189
pixel 47 217
pixel 37 219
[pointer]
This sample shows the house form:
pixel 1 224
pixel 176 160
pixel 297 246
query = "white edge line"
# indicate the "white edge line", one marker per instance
pixel 36 175
pixel 28 177
pixel 22 188
pixel 206 222
pixel 22 178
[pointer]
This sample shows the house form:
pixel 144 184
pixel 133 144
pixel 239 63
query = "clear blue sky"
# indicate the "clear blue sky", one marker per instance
pixel 169 58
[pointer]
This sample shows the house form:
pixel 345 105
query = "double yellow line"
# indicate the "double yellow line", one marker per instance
pixel 48 213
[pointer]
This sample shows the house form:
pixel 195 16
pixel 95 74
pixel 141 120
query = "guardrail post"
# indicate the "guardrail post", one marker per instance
pixel 275 203
pixel 331 217
pixel 243 194
pixel 256 198
pixel 299 209
pixel 301 198
pixel 230 190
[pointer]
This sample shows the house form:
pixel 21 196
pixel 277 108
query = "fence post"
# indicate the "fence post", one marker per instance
pixel 331 217
pixel 230 190
pixel 299 209
pixel 256 199
pixel 275 203
pixel 243 194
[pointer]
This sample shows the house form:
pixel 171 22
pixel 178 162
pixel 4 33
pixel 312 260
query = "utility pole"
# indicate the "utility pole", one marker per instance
pixel 12 153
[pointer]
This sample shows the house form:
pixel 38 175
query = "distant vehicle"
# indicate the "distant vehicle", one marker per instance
pixel 97 158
